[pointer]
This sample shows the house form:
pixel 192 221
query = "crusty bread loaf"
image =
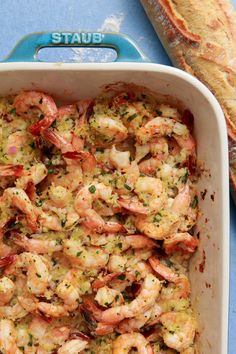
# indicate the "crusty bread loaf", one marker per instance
pixel 200 38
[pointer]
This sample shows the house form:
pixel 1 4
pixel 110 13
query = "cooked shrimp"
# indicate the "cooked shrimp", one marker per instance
pixel 35 174
pixel 7 288
pixel 134 205
pixel 158 226
pixel 111 130
pixel 151 192
pixel 11 170
pixel 58 140
pixel 180 280
pixel 140 242
pixel 150 166
pixel 68 291
pixel 83 158
pixel 83 205
pixel 149 317
pixel 73 346
pixel 35 245
pixel 125 342
pixel 119 159
pixel 157 148
pixel 14 312
pixel 51 310
pixel 8 338
pixel 179 329
pixel 146 298
pixel 27 99
pixel 37 267
pixel 60 196
pixel 182 201
pixel 180 242
pixel 85 257
pixel 71 178
pixel 99 283
pixel 16 143
pixel 19 199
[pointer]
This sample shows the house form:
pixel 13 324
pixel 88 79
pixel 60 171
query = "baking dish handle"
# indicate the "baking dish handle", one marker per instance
pixel 27 49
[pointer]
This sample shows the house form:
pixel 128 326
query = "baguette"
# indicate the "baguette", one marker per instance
pixel 200 38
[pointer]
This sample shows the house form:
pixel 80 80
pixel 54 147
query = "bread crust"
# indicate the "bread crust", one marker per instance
pixel 200 38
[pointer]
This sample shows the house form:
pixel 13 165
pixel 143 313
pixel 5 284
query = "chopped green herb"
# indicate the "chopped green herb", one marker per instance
pixel 123 110
pixel 50 171
pixel 121 277
pixel 194 202
pixel 132 117
pixel 38 202
pixel 13 111
pixel 41 116
pixel 92 189
pixel 117 297
pixel 79 253
pixel 32 145
pixel 184 178
pixel 30 343
pixel 38 275
pixel 157 218
pixel 158 112
pixel 168 263
pixel 127 187
pixel 58 241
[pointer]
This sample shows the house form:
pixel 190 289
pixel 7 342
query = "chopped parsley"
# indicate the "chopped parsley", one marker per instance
pixel 184 178
pixel 121 277
pixel 38 202
pixel 127 187
pixel 30 342
pixel 194 202
pixel 50 171
pixel 79 253
pixel 13 111
pixel 32 145
pixel 132 117
pixel 92 189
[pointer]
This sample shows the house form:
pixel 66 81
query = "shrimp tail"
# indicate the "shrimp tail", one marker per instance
pixel 11 170
pixel 6 261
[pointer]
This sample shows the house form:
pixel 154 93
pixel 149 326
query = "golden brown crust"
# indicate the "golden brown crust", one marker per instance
pixel 201 39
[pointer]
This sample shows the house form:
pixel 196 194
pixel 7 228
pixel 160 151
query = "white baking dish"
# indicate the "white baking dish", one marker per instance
pixel 70 82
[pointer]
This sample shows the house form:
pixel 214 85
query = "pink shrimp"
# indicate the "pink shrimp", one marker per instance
pixel 167 273
pixel 27 99
pixel 58 140
pixel 150 166
pixel 84 207
pixel 11 170
pixel 19 199
pixel 145 299
pixel 133 205
pixel 182 241
pixel 140 242
pixel 35 245
pixel 99 283
pixel 85 158
pixel 125 342
pixel 182 201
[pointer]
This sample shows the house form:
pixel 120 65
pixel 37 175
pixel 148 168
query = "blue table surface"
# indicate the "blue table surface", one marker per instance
pixel 20 17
